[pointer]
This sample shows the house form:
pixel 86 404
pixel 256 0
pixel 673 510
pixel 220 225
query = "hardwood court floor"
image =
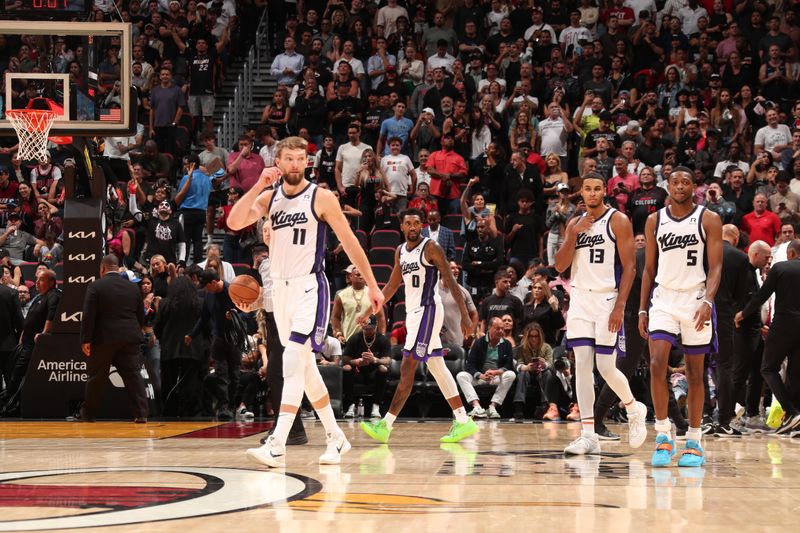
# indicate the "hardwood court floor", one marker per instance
pixel 511 477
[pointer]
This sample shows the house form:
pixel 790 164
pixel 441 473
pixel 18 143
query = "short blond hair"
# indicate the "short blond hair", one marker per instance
pixel 291 143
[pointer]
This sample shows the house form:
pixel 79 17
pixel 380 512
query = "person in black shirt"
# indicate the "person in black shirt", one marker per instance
pixel 325 163
pixel 202 76
pixel 310 110
pixel 500 302
pixel 740 194
pixel 366 358
pixel 218 310
pixel 40 318
pixel 784 336
pixel 645 200
pixel 163 233
pixel 343 110
pixel 482 257
pixel 522 229
pixel 519 176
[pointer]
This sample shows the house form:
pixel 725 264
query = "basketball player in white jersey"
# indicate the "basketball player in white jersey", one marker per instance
pixel 682 268
pixel 599 247
pixel 418 263
pixel 299 214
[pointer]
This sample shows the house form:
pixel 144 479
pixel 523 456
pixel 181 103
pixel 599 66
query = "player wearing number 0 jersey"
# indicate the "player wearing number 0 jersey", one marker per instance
pixel 300 214
pixel 598 245
pixel 680 281
pixel 418 264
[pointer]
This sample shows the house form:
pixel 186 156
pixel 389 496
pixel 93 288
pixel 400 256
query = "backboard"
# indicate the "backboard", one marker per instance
pixel 83 67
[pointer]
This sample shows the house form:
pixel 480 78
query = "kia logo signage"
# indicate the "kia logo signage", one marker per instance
pixel 80 279
pixel 81 257
pixel 74 317
pixel 81 235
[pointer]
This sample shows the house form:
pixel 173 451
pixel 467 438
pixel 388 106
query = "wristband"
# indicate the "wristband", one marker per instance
pixel 708 303
pixel 642 312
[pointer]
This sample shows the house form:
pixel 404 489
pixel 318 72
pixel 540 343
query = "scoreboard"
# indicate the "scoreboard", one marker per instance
pixel 47 9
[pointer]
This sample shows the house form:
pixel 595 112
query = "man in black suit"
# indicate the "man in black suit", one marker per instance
pixel 10 328
pixel 111 332
pixel 737 283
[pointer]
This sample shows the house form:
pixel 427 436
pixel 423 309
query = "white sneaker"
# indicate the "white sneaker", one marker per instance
pixel 244 415
pixel 351 411
pixel 270 454
pixel 755 425
pixel 492 412
pixel 583 445
pixel 637 430
pixel 337 446
pixel 376 411
pixel 477 412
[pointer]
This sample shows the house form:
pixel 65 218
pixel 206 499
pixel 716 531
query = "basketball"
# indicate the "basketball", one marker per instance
pixel 244 289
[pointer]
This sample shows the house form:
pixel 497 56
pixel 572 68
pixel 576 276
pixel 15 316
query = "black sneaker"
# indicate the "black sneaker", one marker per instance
pixel 297 439
pixel 725 431
pixel 708 428
pixel 603 433
pixel 789 424
pixel 680 433
pixel 224 415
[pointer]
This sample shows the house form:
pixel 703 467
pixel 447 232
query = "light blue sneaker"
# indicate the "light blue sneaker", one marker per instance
pixel 665 450
pixel 693 455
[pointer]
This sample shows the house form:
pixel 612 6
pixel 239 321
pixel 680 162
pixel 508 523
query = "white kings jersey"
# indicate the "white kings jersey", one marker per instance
pixel 298 238
pixel 596 266
pixel 681 250
pixel 420 278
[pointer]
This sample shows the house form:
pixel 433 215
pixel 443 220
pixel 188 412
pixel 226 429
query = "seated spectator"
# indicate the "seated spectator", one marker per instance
pixel 235 246
pixel 558 392
pixel 16 241
pixel 508 329
pixel 422 200
pixel 543 308
pixel 366 358
pixel 490 362
pixel 213 253
pixel 349 304
pixel 532 357
pixel 155 165
pixel 784 202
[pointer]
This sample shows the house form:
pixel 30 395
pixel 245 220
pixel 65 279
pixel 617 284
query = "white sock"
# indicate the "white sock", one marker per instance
pixel 461 415
pixel 587 426
pixel 694 434
pixel 584 383
pixel 389 419
pixel 282 428
pixel 328 419
pixel 664 427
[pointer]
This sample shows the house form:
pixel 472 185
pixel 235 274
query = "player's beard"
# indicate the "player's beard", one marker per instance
pixel 292 178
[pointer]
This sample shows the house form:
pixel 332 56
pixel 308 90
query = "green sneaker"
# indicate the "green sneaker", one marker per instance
pixel 459 432
pixel 377 430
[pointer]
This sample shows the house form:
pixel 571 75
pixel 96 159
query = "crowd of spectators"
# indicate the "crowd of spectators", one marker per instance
pixel 484 114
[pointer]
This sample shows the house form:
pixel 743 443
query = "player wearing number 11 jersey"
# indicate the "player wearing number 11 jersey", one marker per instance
pixel 684 259
pixel 598 245
pixel 299 215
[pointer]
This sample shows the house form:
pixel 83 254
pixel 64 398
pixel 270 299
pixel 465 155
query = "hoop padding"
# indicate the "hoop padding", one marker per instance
pixel 32 127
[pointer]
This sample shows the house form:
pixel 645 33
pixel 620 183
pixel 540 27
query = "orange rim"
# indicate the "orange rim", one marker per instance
pixel 45 117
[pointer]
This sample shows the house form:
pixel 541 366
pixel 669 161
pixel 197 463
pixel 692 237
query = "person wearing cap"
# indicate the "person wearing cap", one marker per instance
pixel 603 130
pixel 111 333
pixel 366 357
pixel 558 213
pixel 164 233
pixel 348 304
pixel 538 27
pixel 15 240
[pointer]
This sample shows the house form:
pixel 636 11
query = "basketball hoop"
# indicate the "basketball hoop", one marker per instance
pixel 32 127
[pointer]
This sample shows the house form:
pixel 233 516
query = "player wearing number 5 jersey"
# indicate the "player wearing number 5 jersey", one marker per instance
pixel 684 259
pixel 418 263
pixel 599 247
pixel 300 214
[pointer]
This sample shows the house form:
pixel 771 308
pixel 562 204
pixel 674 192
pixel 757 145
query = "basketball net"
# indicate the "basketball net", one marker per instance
pixel 32 127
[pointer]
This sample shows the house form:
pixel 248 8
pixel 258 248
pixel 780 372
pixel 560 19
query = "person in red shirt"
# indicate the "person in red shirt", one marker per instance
pixel 760 224
pixel 244 167
pixel 447 169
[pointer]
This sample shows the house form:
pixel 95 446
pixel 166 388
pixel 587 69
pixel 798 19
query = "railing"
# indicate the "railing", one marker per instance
pixel 235 117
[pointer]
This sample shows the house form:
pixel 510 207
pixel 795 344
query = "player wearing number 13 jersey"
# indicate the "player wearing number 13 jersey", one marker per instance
pixel 683 263
pixel 599 247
